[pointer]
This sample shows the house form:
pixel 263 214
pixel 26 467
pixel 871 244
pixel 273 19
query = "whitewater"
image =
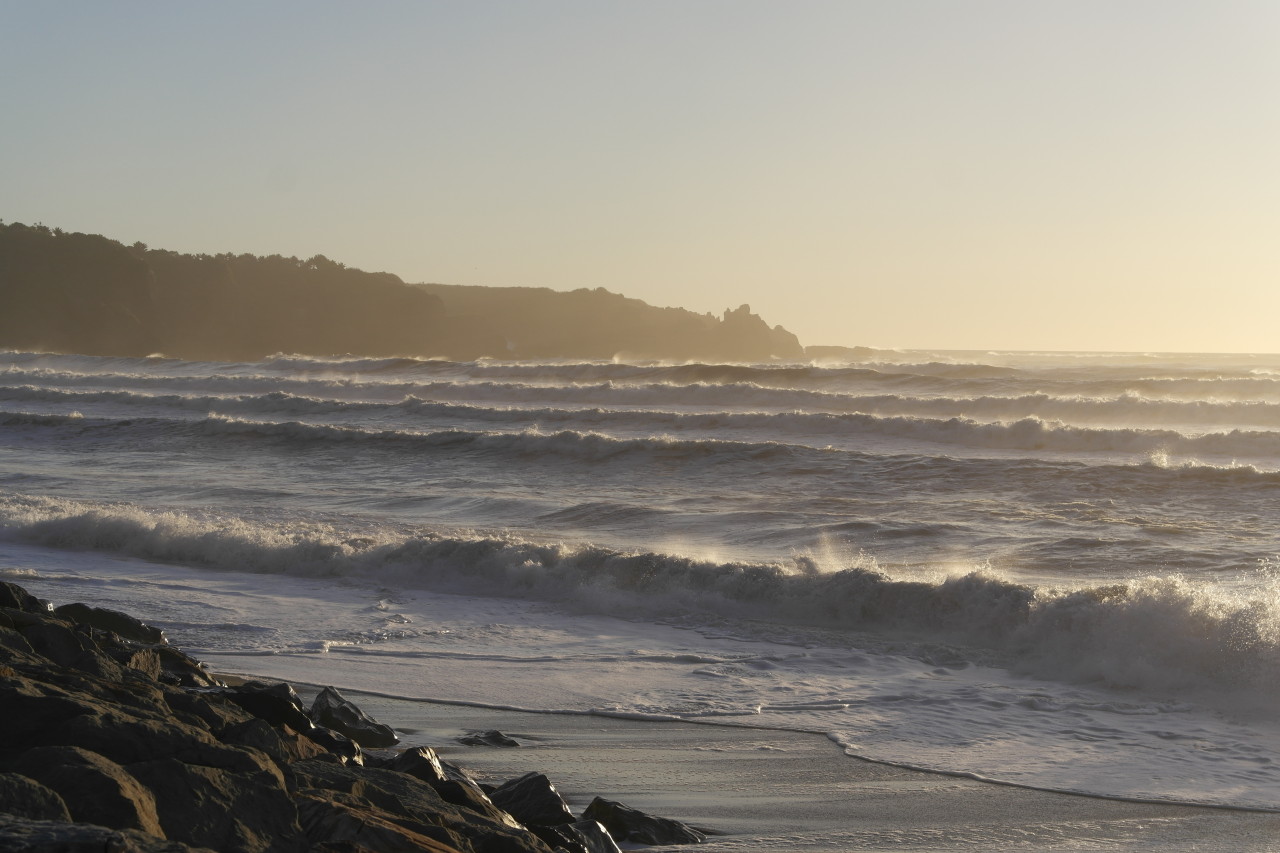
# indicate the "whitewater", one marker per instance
pixel 1058 571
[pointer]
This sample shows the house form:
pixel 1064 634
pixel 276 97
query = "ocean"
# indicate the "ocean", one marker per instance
pixel 1058 571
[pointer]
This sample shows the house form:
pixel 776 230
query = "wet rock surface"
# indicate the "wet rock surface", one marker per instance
pixel 116 741
pixel 493 737
pixel 635 827
pixel 583 836
pixel 533 799
pixel 333 711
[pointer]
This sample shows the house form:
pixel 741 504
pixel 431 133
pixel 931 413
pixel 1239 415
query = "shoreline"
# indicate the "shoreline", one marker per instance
pixel 308 689
pixel 772 789
pixel 747 788
pixel 118 740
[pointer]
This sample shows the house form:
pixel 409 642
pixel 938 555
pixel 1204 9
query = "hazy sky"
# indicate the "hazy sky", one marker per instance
pixel 1013 174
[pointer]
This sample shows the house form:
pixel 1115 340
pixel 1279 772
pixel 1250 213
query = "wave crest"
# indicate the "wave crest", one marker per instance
pixel 1160 633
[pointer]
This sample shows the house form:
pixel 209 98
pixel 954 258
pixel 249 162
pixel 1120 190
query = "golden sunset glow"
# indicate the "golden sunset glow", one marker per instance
pixel 897 174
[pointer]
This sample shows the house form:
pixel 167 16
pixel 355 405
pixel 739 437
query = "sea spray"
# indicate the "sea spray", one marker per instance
pixel 1159 633
pixel 1043 568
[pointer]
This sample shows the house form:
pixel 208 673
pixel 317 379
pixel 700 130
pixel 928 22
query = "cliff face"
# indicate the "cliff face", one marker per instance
pixel 85 293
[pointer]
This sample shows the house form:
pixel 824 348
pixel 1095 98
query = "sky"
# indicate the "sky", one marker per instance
pixel 987 174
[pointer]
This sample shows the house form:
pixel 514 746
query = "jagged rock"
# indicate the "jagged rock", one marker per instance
pixel 19 835
pixel 96 730
pixel 470 796
pixel 421 762
pixel 414 804
pixel 129 740
pixel 335 826
pixel 332 710
pixel 380 758
pixel 493 737
pixel 207 710
pixel 224 809
pixel 94 788
pixel 111 620
pixel 343 748
pixel 65 646
pixel 458 773
pixel 284 745
pixel 12 595
pixel 278 704
pixel 178 667
pixel 594 837
pixel 583 836
pixel 145 661
pixel 14 648
pixel 629 825
pixel 38 713
pixel 532 799
pixel 25 797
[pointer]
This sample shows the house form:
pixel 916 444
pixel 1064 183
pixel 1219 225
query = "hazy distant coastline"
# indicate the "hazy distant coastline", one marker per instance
pixel 85 293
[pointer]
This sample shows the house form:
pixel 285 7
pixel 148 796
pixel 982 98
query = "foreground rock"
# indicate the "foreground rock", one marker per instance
pixel 534 800
pixel 19 834
pixel 115 741
pixel 332 711
pixel 635 827
pixel 582 836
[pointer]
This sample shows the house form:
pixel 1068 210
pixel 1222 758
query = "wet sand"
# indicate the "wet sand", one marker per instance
pixel 755 789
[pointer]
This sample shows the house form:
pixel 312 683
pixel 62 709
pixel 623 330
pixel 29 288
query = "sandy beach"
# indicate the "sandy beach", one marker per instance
pixel 759 790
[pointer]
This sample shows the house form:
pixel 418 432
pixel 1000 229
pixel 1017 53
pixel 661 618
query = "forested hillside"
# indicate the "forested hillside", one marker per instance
pixel 72 292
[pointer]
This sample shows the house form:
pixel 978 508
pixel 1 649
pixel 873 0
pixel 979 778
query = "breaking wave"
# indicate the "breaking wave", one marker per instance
pixel 1158 633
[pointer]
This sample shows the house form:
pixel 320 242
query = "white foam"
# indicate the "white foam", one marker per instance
pixel 520 655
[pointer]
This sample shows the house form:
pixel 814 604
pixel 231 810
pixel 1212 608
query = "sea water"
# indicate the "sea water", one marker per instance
pixel 1051 570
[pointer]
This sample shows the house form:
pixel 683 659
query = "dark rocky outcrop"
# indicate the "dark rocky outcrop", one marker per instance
pixel 583 836
pixel 421 762
pixel 178 667
pixel 95 788
pixel 532 799
pixel 411 804
pixel 635 827
pixel 111 742
pixel 14 597
pixel 111 620
pixel 23 796
pixel 277 703
pixel 492 737
pixel 339 747
pixel 332 711
pixel 20 835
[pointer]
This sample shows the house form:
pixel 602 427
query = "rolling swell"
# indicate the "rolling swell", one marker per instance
pixel 780 375
pixel 1026 434
pixel 1129 409
pixel 1156 468
pixel 584 446
pixel 1158 633
pixel 1205 402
